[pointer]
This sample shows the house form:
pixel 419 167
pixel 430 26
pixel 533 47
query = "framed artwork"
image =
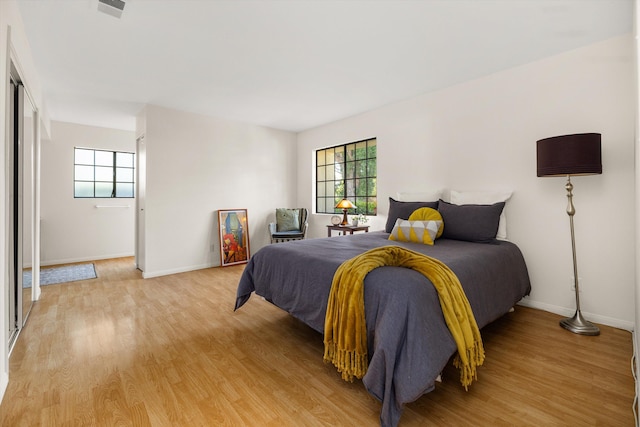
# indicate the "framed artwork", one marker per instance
pixel 234 236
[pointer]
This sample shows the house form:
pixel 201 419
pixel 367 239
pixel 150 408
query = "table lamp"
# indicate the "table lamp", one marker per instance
pixel 345 205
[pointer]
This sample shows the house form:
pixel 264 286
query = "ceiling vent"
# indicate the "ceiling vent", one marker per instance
pixel 111 7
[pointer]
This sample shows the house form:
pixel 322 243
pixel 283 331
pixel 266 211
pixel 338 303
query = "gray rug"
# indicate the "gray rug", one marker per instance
pixel 70 273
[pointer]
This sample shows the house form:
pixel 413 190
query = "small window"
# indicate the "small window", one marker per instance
pixel 103 174
pixel 347 171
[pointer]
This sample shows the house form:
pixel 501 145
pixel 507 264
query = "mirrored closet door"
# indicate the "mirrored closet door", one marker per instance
pixel 28 164
pixel 19 205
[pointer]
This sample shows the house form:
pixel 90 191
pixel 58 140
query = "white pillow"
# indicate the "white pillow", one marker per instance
pixel 484 198
pixel 422 196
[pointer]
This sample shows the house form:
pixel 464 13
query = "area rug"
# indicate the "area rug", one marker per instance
pixel 69 273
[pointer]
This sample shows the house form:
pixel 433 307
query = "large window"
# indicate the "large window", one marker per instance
pixel 347 171
pixel 101 173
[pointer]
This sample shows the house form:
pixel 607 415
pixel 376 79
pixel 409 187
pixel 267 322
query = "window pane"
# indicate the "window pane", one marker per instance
pixel 338 170
pixel 83 157
pixel 104 189
pixel 351 188
pixel 372 206
pixel 361 150
pixel 322 176
pixel 104 158
pixel 329 190
pixel 320 189
pixel 372 187
pixel 330 156
pixel 320 158
pixel 361 187
pixel 351 152
pixel 339 156
pixel 348 191
pixel 321 205
pixel 361 169
pixel 104 174
pixel 124 189
pixel 351 170
pixel 83 189
pixel 124 159
pixel 372 167
pixel 330 170
pixel 372 148
pixel 83 173
pixel 124 175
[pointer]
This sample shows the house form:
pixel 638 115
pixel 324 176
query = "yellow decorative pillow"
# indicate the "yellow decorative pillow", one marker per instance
pixel 428 214
pixel 415 231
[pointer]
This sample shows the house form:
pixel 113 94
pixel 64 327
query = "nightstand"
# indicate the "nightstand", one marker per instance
pixel 346 229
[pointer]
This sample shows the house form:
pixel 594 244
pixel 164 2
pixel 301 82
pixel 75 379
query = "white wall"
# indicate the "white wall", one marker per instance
pixel 197 165
pixel 74 229
pixel 481 135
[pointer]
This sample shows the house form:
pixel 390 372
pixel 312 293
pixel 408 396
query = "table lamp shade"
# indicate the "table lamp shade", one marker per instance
pixel 345 204
pixel 577 154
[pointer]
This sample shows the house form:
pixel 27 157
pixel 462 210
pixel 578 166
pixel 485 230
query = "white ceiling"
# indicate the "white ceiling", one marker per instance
pixel 293 64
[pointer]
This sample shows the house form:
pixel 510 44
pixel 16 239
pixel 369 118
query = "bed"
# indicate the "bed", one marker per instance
pixel 408 341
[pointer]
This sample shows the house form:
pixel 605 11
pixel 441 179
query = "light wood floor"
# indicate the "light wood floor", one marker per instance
pixel 170 351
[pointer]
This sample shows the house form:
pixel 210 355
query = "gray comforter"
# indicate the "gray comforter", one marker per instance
pixel 409 343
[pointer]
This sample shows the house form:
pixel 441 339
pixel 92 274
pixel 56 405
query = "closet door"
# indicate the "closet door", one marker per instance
pixel 15 160
pixel 141 182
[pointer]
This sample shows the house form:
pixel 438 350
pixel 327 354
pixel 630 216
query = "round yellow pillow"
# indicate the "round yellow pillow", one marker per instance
pixel 428 214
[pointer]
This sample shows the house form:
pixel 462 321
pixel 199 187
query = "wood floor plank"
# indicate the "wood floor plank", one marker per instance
pixel 170 351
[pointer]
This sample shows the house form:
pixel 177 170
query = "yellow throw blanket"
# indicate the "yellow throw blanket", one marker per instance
pixel 345 329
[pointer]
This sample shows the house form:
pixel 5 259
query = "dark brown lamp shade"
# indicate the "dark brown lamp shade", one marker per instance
pixel 577 154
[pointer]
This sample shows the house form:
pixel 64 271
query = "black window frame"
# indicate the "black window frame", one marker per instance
pixel 114 176
pixel 339 175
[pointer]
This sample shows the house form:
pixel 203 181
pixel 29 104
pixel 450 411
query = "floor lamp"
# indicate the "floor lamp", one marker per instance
pixel 567 155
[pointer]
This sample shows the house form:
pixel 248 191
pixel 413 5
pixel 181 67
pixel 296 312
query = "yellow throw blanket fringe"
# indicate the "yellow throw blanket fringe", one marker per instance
pixel 345 329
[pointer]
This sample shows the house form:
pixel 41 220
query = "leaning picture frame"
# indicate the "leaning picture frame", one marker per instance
pixel 234 236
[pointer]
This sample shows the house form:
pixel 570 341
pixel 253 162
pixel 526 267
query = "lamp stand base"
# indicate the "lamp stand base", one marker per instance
pixel 578 325
pixel 345 220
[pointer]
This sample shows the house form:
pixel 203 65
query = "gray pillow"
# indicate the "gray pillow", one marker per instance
pixel 287 219
pixel 472 223
pixel 403 210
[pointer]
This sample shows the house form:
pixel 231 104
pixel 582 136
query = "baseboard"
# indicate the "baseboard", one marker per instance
pixel 635 369
pixel 150 274
pixel 567 312
pixel 85 259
